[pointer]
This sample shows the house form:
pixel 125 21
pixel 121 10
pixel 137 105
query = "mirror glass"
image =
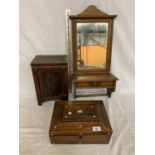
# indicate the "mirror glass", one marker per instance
pixel 92 45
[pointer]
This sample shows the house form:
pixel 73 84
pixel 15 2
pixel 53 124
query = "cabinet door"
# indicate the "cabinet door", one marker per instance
pixel 52 82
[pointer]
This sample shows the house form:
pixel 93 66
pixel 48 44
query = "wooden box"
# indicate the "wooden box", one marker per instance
pixel 80 122
pixel 50 75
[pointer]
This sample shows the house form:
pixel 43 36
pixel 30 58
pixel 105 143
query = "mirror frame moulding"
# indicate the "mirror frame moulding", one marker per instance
pixel 91 15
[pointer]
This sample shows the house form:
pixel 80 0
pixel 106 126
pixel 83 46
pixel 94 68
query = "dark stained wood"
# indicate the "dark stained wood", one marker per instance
pixel 73 122
pixel 50 77
pixel 49 60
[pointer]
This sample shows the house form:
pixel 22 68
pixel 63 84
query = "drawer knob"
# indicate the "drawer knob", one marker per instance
pixel 95 83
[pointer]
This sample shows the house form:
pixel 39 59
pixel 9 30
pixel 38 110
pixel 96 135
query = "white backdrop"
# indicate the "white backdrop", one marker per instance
pixel 43 31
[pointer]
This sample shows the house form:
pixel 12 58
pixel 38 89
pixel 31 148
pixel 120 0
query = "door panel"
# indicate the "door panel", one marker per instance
pixel 51 82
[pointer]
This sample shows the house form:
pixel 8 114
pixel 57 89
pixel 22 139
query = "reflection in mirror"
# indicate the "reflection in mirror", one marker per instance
pixel 92 45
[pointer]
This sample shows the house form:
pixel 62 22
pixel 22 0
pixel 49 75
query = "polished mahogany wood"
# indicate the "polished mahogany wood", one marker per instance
pixel 50 77
pixel 80 122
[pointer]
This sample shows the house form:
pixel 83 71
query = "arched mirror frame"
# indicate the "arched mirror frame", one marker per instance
pixel 92 15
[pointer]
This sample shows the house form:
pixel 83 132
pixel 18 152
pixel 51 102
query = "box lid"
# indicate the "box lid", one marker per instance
pixel 79 117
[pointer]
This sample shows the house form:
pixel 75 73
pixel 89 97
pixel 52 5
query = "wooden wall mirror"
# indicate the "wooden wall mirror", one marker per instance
pixel 92 32
pixel 92 41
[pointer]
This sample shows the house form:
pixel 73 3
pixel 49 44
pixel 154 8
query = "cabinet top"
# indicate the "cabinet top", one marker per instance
pixel 49 60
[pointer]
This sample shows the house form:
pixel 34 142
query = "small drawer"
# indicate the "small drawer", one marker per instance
pixel 94 84
pixel 95 139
